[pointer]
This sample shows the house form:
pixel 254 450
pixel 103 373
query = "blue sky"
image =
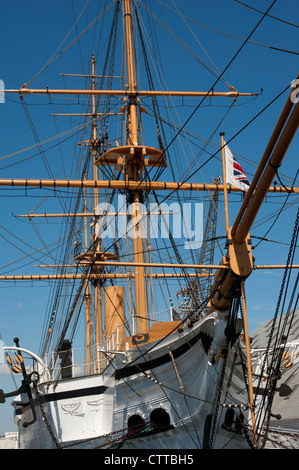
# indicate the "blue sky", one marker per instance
pixel 30 35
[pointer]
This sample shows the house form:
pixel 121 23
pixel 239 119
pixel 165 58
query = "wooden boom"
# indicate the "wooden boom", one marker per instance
pixel 239 257
pixel 132 93
pixel 131 185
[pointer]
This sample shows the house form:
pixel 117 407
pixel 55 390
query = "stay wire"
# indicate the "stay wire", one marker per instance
pixel 218 79
pixel 279 49
pixel 283 291
pixel 270 16
pixel 55 57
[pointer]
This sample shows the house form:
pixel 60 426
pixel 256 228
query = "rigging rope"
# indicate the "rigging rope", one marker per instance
pixel 270 16
pixel 280 339
pixel 241 39
pixel 53 58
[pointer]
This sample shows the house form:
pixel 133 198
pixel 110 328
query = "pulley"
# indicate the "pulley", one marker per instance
pixel 15 363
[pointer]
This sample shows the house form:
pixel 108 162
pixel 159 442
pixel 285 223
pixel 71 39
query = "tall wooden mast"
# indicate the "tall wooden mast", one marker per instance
pixel 97 284
pixel 135 173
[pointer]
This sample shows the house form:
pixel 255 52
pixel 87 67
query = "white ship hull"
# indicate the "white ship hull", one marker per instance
pixel 175 395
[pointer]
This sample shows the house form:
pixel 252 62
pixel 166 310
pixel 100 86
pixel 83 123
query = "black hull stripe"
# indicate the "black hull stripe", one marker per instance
pixel 81 392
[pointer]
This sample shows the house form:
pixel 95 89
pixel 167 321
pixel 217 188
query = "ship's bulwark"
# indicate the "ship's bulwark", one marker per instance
pixel 162 400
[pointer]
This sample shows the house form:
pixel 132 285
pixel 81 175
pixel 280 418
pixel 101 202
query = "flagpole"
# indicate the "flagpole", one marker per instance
pixel 224 182
pixel 249 370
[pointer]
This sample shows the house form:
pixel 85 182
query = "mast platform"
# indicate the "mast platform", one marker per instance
pixel 134 155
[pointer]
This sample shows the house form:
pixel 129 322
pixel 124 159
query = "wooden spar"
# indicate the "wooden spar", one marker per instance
pixel 160 265
pixel 87 214
pixel 258 191
pixel 248 360
pixel 89 76
pixel 147 265
pixel 132 93
pixel 131 185
pixel 224 182
pixel 270 146
pixel 58 277
pixel 92 115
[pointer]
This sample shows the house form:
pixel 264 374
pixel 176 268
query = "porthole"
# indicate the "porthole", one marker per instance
pixel 160 418
pixel 136 423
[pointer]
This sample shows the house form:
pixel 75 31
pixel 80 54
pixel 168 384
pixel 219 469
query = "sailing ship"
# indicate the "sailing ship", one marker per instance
pixel 148 377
